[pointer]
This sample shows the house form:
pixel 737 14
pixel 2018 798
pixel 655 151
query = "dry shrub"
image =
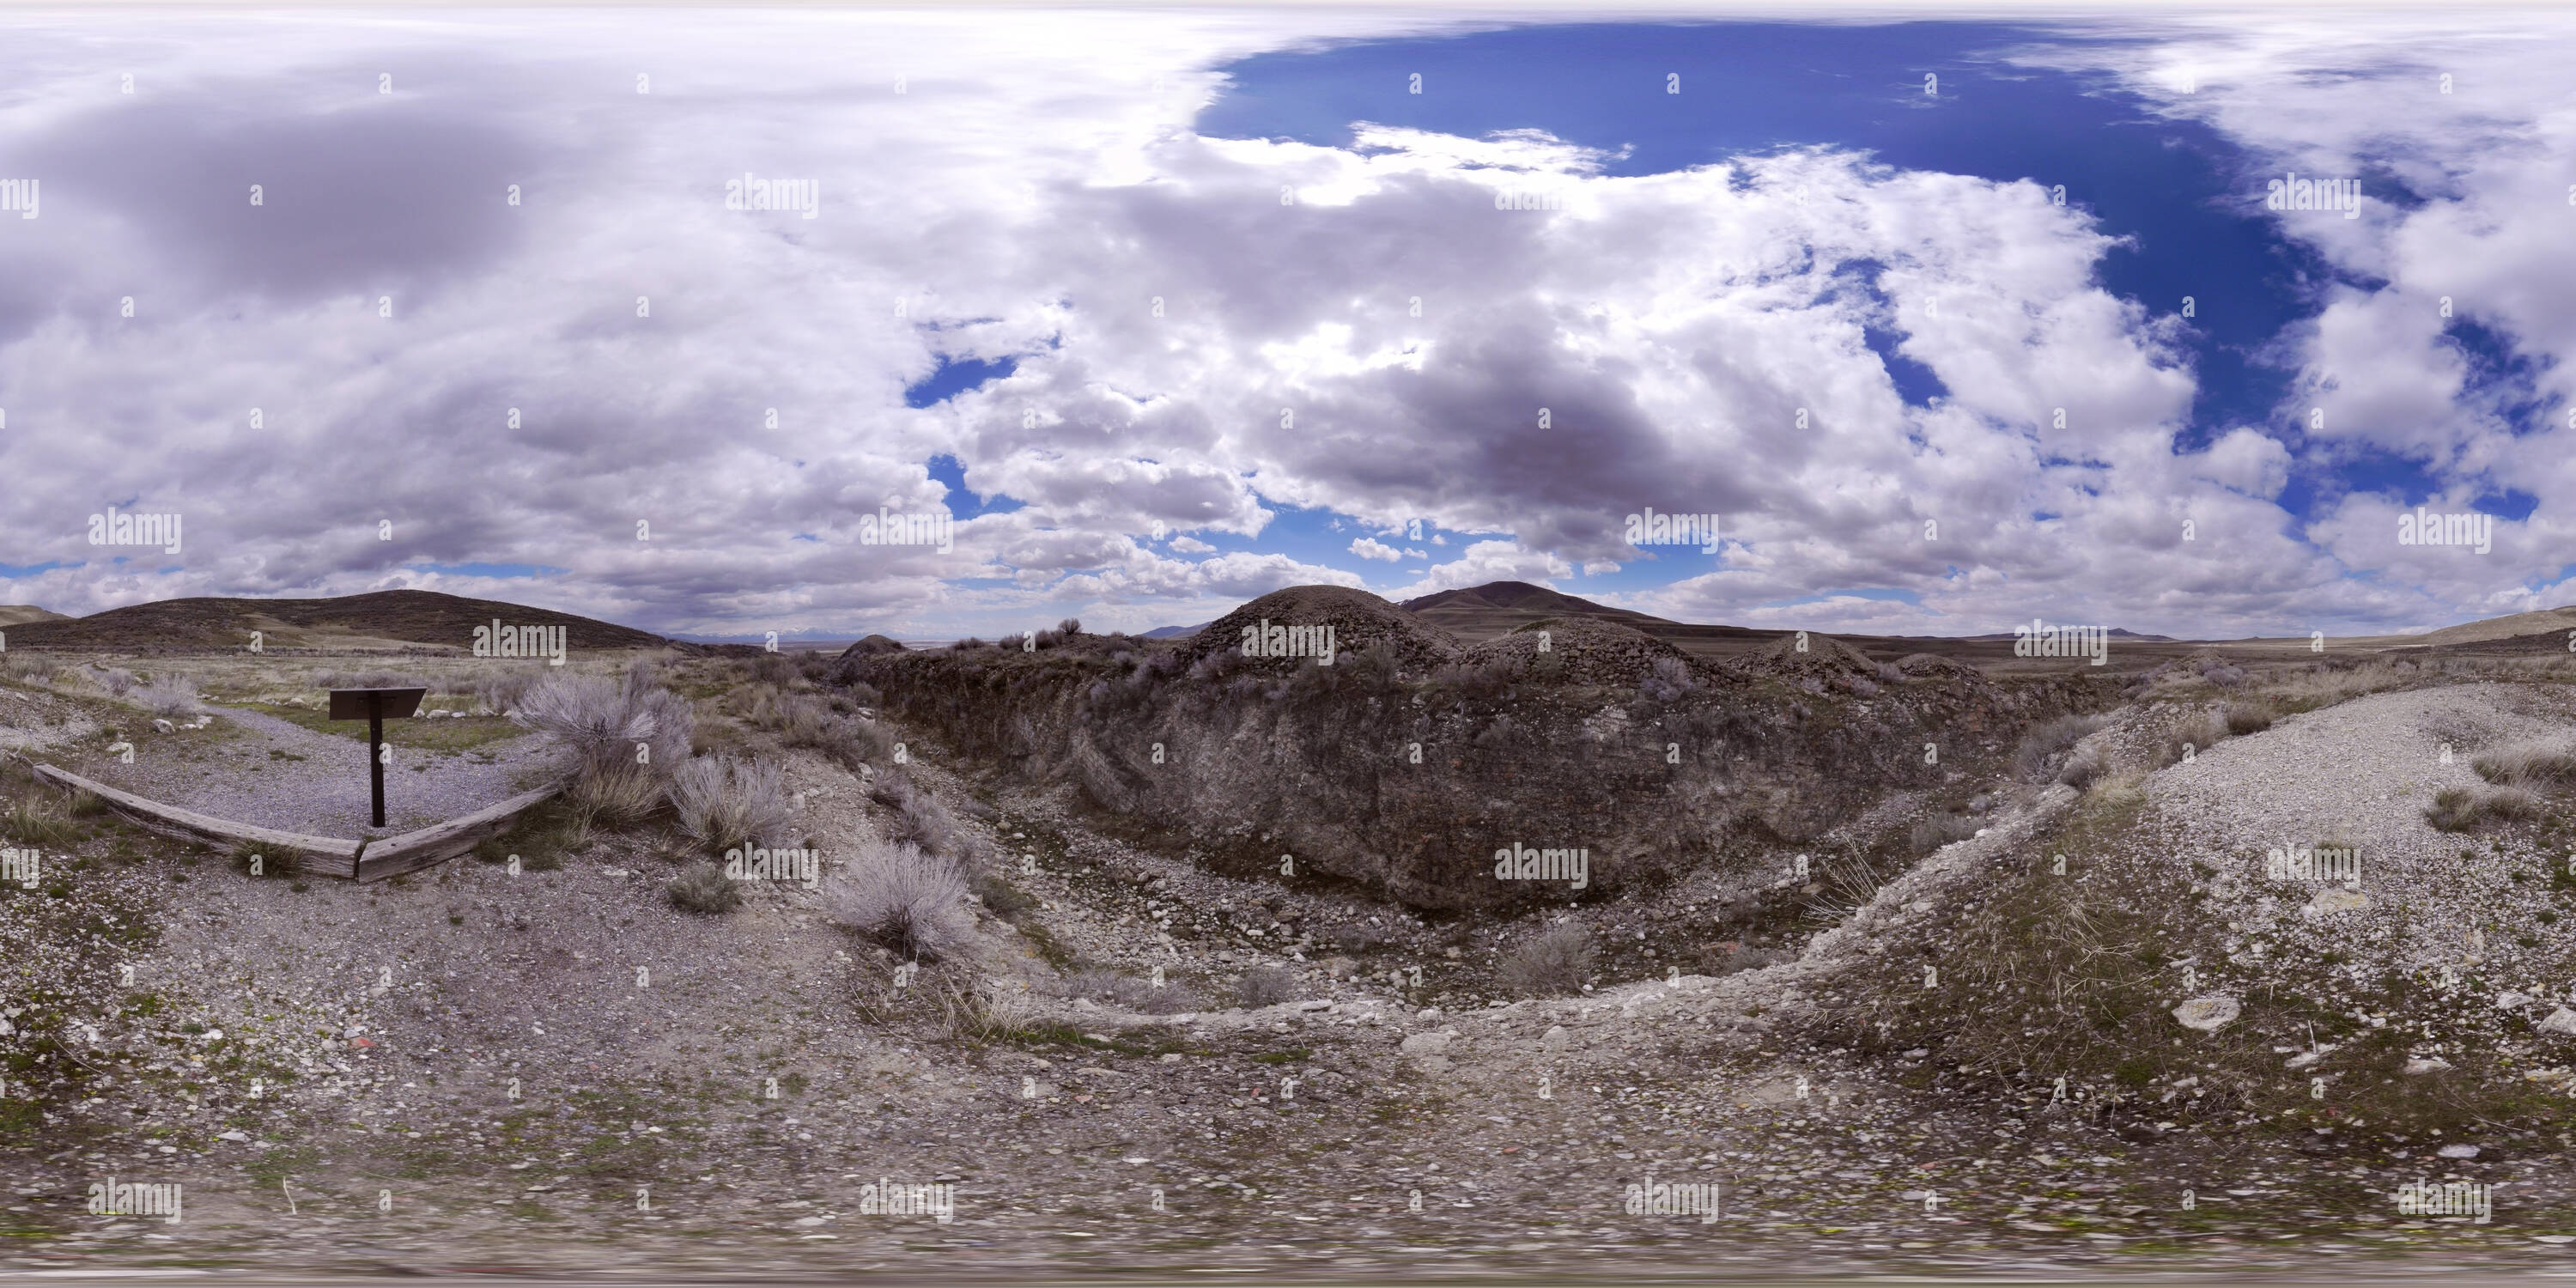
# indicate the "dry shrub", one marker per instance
pixel 31 822
pixel 2531 765
pixel 115 679
pixel 1144 996
pixel 502 691
pixel 27 668
pixel 168 696
pixel 1553 961
pixel 1939 830
pixel 2324 685
pixel 2458 809
pixel 618 797
pixel 2248 717
pixel 900 897
pixel 2048 739
pixel 725 803
pixel 919 819
pixel 1267 986
pixel 2199 733
pixel 602 720
pixel 804 720
pixel 1668 680
pixel 702 887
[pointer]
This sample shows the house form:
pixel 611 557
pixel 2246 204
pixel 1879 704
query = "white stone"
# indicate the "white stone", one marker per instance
pixel 2208 1014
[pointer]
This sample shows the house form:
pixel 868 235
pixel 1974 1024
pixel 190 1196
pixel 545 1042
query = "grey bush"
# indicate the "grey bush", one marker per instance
pixel 169 695
pixel 602 720
pixel 900 897
pixel 1554 961
pixel 1668 679
pixel 502 691
pixel 919 819
pixel 1939 830
pixel 724 802
pixel 2039 747
pixel 1267 986
pixel 702 887
pixel 33 668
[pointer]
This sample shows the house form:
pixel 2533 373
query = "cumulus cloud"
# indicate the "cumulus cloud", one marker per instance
pixel 523 385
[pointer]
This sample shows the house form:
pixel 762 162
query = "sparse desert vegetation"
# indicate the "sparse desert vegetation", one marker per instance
pixel 1012 890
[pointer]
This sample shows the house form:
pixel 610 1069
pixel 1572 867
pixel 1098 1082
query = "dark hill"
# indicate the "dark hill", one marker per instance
pixel 379 619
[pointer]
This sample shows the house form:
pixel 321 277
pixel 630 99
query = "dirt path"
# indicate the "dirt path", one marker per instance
pixel 252 767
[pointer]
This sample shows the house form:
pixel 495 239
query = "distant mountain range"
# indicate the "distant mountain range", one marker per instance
pixel 394 619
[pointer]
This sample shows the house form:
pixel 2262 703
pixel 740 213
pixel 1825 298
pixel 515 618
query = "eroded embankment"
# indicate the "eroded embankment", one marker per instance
pixel 1409 761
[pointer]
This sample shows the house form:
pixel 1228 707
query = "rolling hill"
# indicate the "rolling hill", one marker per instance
pixel 1499 607
pixel 385 619
pixel 13 615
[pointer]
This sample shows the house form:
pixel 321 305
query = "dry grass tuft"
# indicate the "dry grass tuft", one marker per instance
pixel 1554 961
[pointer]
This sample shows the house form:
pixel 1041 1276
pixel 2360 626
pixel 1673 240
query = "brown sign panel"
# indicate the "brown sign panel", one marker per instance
pixel 392 704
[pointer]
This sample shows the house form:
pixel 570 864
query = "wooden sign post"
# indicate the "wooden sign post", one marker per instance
pixel 375 706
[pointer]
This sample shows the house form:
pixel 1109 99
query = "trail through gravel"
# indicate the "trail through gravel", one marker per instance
pixel 274 773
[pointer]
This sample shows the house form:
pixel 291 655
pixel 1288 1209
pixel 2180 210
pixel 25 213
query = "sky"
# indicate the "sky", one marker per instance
pixel 1943 326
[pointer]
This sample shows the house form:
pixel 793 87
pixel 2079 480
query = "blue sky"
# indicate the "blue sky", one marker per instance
pixel 1236 308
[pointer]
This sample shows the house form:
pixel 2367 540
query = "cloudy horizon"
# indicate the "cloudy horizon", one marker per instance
pixel 830 323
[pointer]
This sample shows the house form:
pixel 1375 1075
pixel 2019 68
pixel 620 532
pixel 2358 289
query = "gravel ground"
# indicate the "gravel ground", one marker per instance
pixel 389 1022
pixel 251 767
